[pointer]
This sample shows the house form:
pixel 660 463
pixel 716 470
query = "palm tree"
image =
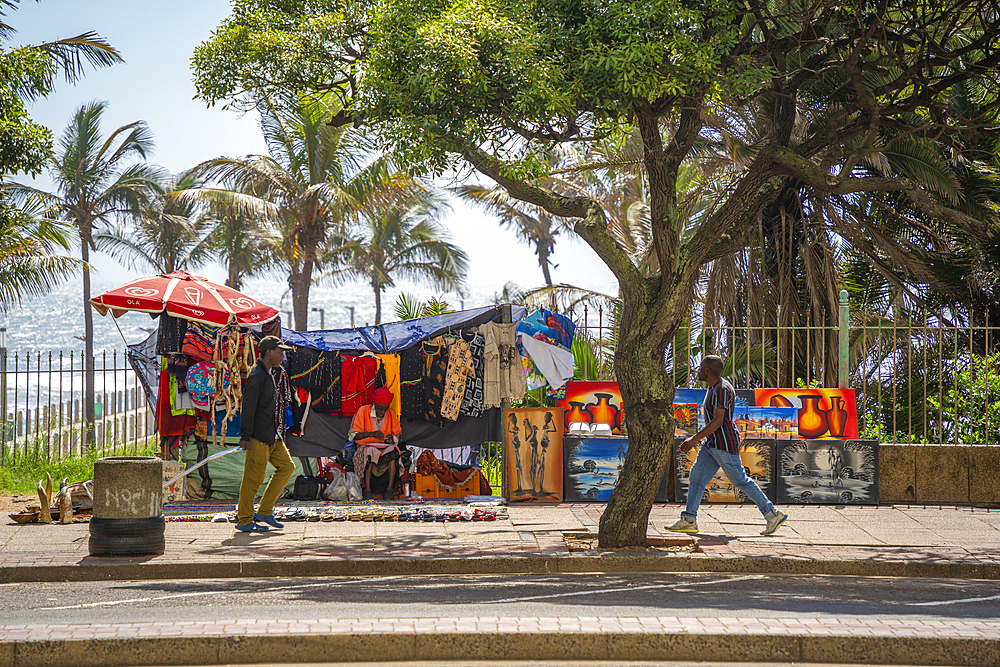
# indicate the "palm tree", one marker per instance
pixel 404 240
pixel 311 186
pixel 243 246
pixel 168 234
pixel 30 73
pixel 95 187
pixel 28 263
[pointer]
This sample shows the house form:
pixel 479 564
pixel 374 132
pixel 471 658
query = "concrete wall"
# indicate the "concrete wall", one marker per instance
pixel 939 474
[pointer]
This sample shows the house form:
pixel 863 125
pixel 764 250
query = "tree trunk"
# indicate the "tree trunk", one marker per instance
pixel 543 260
pixel 300 283
pixel 378 305
pixel 88 351
pixel 648 391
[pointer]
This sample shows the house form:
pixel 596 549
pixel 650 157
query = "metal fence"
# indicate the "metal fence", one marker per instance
pixel 42 396
pixel 919 377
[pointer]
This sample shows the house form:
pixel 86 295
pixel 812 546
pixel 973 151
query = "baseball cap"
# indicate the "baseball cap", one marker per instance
pixel 382 396
pixel 271 343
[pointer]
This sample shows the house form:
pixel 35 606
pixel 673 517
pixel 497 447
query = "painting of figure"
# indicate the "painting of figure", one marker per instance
pixel 843 472
pixel 533 451
pixel 757 455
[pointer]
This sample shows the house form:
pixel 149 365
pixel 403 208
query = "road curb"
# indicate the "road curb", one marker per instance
pixel 534 646
pixel 117 569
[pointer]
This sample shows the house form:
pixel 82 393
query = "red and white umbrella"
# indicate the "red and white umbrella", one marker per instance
pixel 186 296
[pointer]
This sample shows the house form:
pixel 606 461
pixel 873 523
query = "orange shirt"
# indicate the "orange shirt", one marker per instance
pixel 365 421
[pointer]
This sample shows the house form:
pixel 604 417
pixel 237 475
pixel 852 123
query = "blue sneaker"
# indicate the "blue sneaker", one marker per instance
pixel 268 519
pixel 252 528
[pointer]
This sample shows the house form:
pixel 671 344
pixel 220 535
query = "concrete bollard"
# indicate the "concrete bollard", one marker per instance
pixel 128 507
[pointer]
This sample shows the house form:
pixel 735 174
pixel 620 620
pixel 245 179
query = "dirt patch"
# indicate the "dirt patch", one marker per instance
pixel 14 502
pixel 577 543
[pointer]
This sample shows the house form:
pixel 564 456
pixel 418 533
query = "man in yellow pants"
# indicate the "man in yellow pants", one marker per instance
pixel 260 439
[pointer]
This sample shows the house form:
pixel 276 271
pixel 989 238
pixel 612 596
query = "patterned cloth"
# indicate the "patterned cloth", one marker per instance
pixel 411 388
pixel 358 383
pixel 327 398
pixel 283 397
pixel 435 372
pixel 199 341
pixel 459 367
pixel 201 384
pixel 472 402
pixel 170 337
pixel 390 368
pixel 503 375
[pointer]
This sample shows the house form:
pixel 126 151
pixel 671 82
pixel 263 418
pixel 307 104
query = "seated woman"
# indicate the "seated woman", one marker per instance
pixel 376 430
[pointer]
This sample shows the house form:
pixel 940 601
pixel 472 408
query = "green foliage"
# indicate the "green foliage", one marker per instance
pixel 491 463
pixel 28 73
pixel 20 473
pixel 409 308
pixel 971 407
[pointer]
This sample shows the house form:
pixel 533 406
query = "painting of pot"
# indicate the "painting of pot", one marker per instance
pixel 822 413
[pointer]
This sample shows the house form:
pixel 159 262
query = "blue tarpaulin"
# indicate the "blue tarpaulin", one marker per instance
pixel 397 336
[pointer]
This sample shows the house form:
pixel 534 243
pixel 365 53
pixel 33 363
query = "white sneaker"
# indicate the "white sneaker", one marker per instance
pixel 684 526
pixel 774 522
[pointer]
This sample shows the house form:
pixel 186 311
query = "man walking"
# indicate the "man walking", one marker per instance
pixel 721 450
pixel 260 439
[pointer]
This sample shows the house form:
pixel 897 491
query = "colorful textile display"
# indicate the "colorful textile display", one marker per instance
pixel 390 366
pixel 545 341
pixel 358 383
pixel 411 390
pixel 459 367
pixel 472 402
pixel 503 373
pixel 201 384
pixel 435 372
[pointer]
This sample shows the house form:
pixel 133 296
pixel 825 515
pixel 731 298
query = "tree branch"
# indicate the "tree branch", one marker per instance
pixel 592 225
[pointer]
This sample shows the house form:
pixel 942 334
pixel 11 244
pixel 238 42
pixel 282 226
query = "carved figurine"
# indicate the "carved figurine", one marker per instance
pixel 65 503
pixel 43 499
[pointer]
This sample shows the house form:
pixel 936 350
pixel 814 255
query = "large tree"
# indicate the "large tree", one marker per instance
pixel 402 239
pixel 493 82
pixel 312 185
pixel 97 184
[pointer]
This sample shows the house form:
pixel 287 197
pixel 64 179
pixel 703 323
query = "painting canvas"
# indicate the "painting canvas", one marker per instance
pixel 592 466
pixel 757 455
pixel 757 422
pixel 593 402
pixel 822 413
pixel 843 472
pixel 685 419
pixel 533 450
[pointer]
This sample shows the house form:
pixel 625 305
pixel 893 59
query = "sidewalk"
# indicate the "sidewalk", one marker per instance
pixel 900 540
pixel 954 542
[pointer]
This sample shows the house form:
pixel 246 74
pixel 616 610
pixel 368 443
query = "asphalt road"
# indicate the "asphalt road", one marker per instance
pixel 614 595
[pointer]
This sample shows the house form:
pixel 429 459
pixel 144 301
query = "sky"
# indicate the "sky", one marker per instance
pixel 156 40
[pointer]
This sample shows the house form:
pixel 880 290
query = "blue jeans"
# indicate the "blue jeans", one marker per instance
pixel 706 465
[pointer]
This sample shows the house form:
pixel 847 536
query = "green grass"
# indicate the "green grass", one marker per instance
pixel 21 474
pixel 491 463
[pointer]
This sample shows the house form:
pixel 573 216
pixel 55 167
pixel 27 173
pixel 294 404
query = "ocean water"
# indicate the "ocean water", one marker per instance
pixel 45 334
pixel 54 322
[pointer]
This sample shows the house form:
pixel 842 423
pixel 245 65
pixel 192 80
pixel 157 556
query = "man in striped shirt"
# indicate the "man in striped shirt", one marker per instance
pixel 721 450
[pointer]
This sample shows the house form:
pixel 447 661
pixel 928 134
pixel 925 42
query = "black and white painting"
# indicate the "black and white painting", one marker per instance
pixel 831 472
